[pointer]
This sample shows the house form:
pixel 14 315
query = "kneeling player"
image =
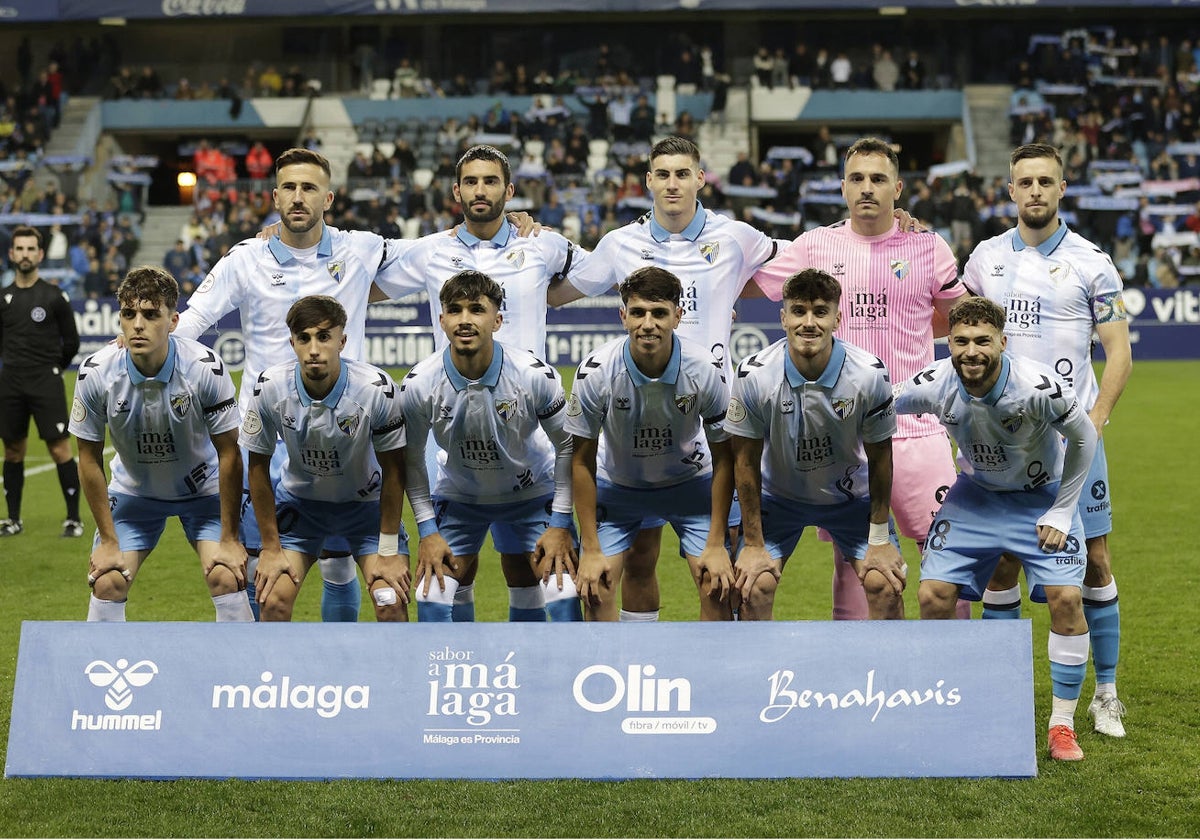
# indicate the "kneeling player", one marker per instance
pixel 344 475
pixel 488 405
pixel 168 406
pixel 812 424
pixel 645 412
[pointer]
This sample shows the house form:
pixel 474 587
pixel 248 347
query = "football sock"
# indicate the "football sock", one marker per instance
pixel 464 604
pixel 1103 613
pixel 849 597
pixel 14 483
pixel 68 480
pixel 342 596
pixel 105 610
pixel 626 615
pixel 232 607
pixel 1068 665
pixel 526 603
pixel 562 604
pixel 438 604
pixel 1002 604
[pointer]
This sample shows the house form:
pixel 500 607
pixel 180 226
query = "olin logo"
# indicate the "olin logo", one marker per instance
pixel 637 687
pixel 120 680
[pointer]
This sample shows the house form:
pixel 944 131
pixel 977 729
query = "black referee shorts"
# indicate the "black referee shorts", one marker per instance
pixel 36 393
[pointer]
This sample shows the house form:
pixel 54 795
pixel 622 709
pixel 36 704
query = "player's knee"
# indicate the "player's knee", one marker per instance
pixel 640 565
pixel 1065 604
pixel 221 581
pixel 277 607
pixel 937 601
pixel 762 591
pixel 111 586
pixel 876 585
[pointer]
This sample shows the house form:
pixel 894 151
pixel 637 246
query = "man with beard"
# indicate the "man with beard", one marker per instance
pixel 1003 413
pixel 524 268
pixel 1058 287
pixel 38 339
pixel 263 278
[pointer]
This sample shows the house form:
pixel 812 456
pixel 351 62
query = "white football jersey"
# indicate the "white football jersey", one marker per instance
pixel 714 257
pixel 1054 295
pixel 523 266
pixel 162 426
pixel 488 431
pixel 263 278
pixel 813 431
pixel 1005 439
pixel 652 432
pixel 331 443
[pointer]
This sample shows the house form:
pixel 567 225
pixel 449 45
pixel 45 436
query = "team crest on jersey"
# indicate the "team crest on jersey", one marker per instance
pixel 515 258
pixel 38 314
pixel 899 268
pixel 685 402
pixel 709 251
pixel 8 298
pixel 1056 271
pixel 843 408
pixel 507 409
pixel 348 424
pixel 1011 424
pixel 337 270
pixel 180 404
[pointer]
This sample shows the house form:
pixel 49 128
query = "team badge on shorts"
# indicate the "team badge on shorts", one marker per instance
pixel 337 270
pixel 685 402
pixel 843 408
pixel 349 424
pixel 709 251
pixel 507 409
pixel 180 404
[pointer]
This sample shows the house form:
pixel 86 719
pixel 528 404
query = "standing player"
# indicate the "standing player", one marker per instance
pixel 523 267
pixel 1017 492
pixel 38 339
pixel 896 288
pixel 714 258
pixel 812 423
pixel 343 472
pixel 646 414
pixel 1057 287
pixel 168 404
pixel 263 278
pixel 485 403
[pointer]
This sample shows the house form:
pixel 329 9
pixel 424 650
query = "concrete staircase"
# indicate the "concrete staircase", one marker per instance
pixel 719 145
pixel 159 232
pixel 65 139
pixel 988 107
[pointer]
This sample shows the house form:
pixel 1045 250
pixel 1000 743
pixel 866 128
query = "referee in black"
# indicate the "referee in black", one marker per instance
pixel 38 339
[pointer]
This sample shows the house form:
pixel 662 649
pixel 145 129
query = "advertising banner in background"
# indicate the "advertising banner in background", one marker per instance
pixel 498 700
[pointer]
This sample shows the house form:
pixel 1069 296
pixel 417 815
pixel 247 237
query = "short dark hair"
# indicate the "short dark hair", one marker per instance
pixel 482 152
pixel 977 310
pixel 1034 150
pixel 471 285
pixel 149 283
pixel 313 311
pixel 676 146
pixel 874 146
pixel 26 230
pixel 295 156
pixel 652 283
pixel 813 284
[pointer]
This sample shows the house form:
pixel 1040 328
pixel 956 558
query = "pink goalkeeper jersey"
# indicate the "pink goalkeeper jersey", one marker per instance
pixel 889 284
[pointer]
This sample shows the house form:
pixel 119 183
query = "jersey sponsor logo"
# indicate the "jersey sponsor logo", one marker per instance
pixel 337 270
pixel 869 307
pixel 321 460
pixel 709 251
pixel 515 258
pixel 181 404
pixel 899 268
pixel 647 254
pixel 252 425
pixel 839 270
pixel 195 479
pixel 121 406
pixel 37 314
pixel 814 451
pixel 479 451
pixel 737 411
pixel 651 439
pixel 155 447
pixel 998 270
pixel 685 402
pixel 553 408
pixel 277 280
pixel 987 456
pixel 622 403
pixel 349 424
pixel 1099 490
pixel 843 407
pixel 507 409
pixel 787 405
pixel 78 412
pixel 1023 313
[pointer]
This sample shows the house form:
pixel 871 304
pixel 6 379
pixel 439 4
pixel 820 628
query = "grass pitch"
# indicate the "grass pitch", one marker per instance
pixel 1142 786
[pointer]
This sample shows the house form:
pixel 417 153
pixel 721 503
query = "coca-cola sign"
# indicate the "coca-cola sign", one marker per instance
pixel 176 8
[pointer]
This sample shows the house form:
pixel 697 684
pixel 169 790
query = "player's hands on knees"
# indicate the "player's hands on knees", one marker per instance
pixel 232 555
pixel 752 561
pixel 434 561
pixel 555 554
pixel 1050 539
pixel 272 565
pixel 390 570
pixel 270 231
pixel 595 574
pixel 107 557
pixel 714 562
pixel 886 560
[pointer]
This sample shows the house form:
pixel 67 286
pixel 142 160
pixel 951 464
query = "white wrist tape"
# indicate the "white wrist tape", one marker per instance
pixel 877 534
pixel 389 544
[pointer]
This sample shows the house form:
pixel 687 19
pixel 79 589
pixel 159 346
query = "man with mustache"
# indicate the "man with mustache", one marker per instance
pixel 1018 490
pixel 1058 287
pixel 38 339
pixel 897 287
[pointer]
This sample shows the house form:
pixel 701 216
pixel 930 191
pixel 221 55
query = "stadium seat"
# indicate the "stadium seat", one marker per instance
pixel 380 88
pixel 422 176
pixel 537 148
